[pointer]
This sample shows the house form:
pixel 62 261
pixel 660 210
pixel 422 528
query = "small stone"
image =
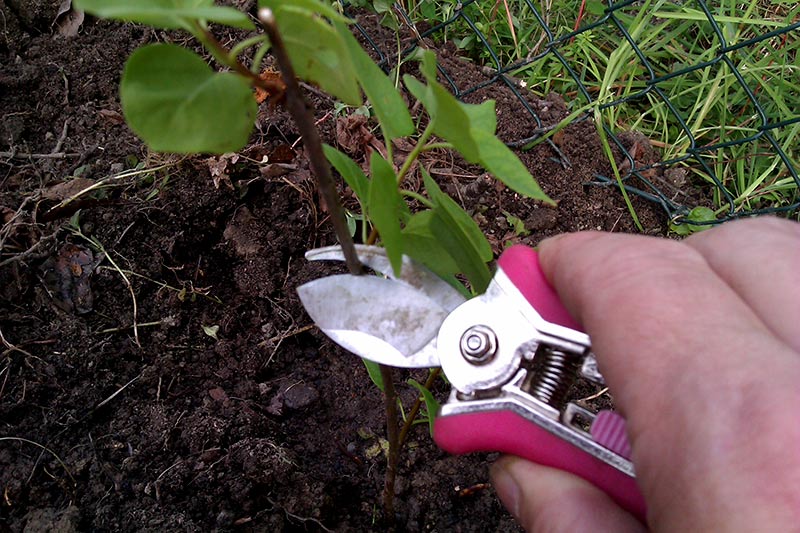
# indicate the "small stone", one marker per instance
pixel 300 396
pixel 218 394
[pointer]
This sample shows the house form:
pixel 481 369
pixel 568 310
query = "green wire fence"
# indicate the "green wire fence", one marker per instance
pixel 715 87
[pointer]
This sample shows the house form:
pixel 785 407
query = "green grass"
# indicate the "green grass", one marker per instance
pixel 705 119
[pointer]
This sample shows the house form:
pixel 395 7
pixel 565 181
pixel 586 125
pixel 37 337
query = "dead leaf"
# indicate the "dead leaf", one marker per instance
pixel 67 277
pixel 68 20
pixel 112 116
pixel 218 168
pixel 352 134
pixel 282 153
pixel 66 189
pixel 242 232
pixel 275 170
pixel 273 78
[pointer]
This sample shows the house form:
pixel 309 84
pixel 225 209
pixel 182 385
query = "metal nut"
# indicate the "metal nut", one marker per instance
pixel 478 345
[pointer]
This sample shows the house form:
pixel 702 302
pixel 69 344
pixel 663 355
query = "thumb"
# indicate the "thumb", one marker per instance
pixel 546 499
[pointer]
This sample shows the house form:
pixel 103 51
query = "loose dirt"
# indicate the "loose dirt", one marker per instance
pixel 223 408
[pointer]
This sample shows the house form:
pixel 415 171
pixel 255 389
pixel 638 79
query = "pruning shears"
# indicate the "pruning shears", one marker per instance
pixel 511 355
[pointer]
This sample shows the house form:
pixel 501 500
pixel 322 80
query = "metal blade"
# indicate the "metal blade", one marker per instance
pixel 411 272
pixel 379 319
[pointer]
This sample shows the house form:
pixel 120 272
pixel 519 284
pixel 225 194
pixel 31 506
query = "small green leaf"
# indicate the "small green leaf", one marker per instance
pixel 517 224
pixel 374 371
pixel 386 101
pixel 431 404
pixel 75 220
pixel 460 236
pixel 385 208
pixel 350 172
pixel 471 130
pixel 211 331
pixel 175 102
pixel 698 214
pixel 318 52
pixel 167 14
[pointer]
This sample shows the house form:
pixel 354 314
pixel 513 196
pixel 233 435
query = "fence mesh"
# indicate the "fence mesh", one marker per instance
pixel 715 91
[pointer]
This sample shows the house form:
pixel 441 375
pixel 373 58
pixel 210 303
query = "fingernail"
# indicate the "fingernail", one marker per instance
pixel 506 487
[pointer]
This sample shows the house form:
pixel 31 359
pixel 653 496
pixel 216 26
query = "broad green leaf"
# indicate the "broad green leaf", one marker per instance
pixel 386 101
pixel 175 102
pixel 385 207
pixel 698 214
pixel 504 165
pixel 312 6
pixel 420 244
pixel 168 14
pixel 350 171
pixel 482 116
pixel 460 236
pixel 318 53
pixel 431 405
pixel 374 371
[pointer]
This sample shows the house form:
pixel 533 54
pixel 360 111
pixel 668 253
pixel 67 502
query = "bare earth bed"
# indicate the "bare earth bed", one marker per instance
pixel 268 427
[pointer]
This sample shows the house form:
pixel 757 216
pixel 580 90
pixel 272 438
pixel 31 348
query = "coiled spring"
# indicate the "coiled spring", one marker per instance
pixel 555 376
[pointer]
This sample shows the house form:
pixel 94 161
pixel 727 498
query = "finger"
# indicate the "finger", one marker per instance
pixel 760 259
pixel 546 499
pixel 699 375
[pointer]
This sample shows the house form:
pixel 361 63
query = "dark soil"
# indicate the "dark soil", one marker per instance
pixel 224 409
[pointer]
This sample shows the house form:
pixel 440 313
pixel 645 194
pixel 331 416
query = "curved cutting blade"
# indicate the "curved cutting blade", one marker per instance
pixel 383 320
pixel 411 272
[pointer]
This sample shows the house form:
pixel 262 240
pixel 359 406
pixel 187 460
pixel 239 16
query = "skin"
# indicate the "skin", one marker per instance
pixel 700 342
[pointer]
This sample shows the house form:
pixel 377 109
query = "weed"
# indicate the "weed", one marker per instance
pixel 715 87
pixel 174 100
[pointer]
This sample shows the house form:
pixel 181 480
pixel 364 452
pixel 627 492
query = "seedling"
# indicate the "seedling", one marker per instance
pixel 174 100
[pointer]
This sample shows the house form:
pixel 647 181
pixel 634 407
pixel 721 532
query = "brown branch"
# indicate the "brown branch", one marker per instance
pixel 412 415
pixel 304 119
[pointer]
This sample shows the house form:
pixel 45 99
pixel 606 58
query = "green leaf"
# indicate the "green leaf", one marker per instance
pixel 312 6
pixel 211 331
pixel 431 405
pixel 168 14
pixel 471 130
pixel 482 116
pixel 318 52
pixel 460 236
pixel 350 172
pixel 385 208
pixel 386 101
pixel 420 244
pixel 504 165
pixel 450 121
pixel 516 223
pixel 698 214
pixel 595 7
pixel 374 371
pixel 176 103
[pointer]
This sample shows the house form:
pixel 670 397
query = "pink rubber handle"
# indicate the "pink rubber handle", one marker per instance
pixel 508 432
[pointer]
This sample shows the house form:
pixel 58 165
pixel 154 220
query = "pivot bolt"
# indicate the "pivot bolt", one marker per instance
pixel 478 345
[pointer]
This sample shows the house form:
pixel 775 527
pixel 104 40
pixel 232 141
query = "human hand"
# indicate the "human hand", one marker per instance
pixel 699 340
